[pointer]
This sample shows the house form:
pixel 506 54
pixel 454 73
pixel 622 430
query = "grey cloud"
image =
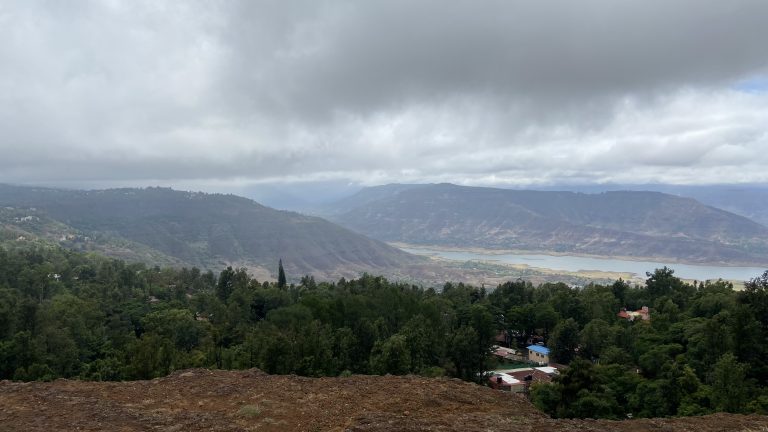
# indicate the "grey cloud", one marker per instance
pixel 362 56
pixel 492 92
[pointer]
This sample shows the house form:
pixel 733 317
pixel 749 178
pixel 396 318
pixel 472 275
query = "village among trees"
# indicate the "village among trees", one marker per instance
pixel 703 347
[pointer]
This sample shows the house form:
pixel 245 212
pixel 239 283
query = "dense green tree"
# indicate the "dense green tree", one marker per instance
pixel 568 304
pixel 281 280
pixel 708 340
pixel 423 341
pixel 695 396
pixel 467 358
pixel 662 282
pixel 313 348
pixel 226 284
pixel 391 356
pixel 564 341
pixel 545 319
pixel 512 293
pixel 580 391
pixel 619 290
pixel 730 389
pixel 596 336
pixel 546 397
pixel 176 325
pixel 521 321
pixel 614 355
pixel 755 295
pixel 653 361
pixel 8 306
pixel 149 357
pixel 599 303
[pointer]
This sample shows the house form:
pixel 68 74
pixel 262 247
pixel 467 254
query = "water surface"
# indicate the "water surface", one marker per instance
pixel 577 263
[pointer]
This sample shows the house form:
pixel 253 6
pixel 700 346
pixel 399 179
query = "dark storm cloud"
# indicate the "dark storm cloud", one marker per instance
pixel 365 56
pixel 471 92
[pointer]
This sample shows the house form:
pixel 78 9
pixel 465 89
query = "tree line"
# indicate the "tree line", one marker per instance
pixel 74 315
pixel 66 314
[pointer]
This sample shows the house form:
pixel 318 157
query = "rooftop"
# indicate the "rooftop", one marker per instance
pixel 539 349
pixel 506 378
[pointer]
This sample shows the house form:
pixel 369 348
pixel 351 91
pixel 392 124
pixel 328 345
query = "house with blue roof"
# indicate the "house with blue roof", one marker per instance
pixel 538 354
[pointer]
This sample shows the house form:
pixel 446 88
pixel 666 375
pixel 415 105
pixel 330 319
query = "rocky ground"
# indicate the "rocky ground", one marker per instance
pixel 202 400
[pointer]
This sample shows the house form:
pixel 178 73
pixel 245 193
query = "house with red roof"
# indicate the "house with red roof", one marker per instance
pixel 641 314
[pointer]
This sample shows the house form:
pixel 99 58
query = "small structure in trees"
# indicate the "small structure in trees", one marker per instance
pixel 640 314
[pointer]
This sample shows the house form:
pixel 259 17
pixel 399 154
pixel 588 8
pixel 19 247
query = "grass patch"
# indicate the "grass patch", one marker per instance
pixel 249 411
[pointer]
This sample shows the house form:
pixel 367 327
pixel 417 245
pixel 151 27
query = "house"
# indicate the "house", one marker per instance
pixel 640 314
pixel 519 380
pixel 506 382
pixel 536 374
pixel 503 353
pixel 538 354
pixel 550 371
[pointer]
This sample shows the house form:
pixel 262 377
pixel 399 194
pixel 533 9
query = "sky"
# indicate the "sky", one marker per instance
pixel 219 95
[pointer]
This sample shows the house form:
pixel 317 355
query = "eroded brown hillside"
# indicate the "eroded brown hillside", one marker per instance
pixel 201 400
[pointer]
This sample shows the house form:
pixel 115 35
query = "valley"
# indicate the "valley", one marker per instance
pixel 646 226
pixel 436 233
pixel 592 267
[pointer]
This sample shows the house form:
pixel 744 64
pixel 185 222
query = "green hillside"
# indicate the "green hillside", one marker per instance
pixel 164 226
pixel 630 224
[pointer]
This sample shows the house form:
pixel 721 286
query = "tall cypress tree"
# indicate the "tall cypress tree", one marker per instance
pixel 281 282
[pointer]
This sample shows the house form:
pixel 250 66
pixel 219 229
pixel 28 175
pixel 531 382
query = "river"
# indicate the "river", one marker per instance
pixel 578 263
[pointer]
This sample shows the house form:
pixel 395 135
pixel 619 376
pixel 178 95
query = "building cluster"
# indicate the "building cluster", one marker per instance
pixel 537 355
pixel 518 380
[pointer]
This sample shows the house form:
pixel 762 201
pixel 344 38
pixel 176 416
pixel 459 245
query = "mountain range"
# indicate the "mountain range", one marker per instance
pixel 161 226
pixel 164 226
pixel 635 224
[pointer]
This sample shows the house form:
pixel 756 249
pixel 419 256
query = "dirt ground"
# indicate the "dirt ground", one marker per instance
pixel 202 400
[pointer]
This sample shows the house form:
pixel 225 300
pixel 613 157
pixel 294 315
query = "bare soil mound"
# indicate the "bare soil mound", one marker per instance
pixel 202 400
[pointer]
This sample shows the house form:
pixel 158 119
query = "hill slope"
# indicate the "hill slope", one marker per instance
pixel 206 230
pixel 748 200
pixel 631 224
pixel 199 400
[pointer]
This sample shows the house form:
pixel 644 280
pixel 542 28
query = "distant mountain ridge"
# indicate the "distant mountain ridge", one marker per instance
pixel 622 223
pixel 749 200
pixel 164 226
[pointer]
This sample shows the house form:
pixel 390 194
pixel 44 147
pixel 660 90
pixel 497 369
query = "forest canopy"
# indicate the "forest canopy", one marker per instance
pixel 72 315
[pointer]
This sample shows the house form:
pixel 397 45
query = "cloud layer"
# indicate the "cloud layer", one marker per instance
pixel 492 92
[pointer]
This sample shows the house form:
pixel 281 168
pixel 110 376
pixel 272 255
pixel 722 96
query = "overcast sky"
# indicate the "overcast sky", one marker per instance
pixel 213 94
